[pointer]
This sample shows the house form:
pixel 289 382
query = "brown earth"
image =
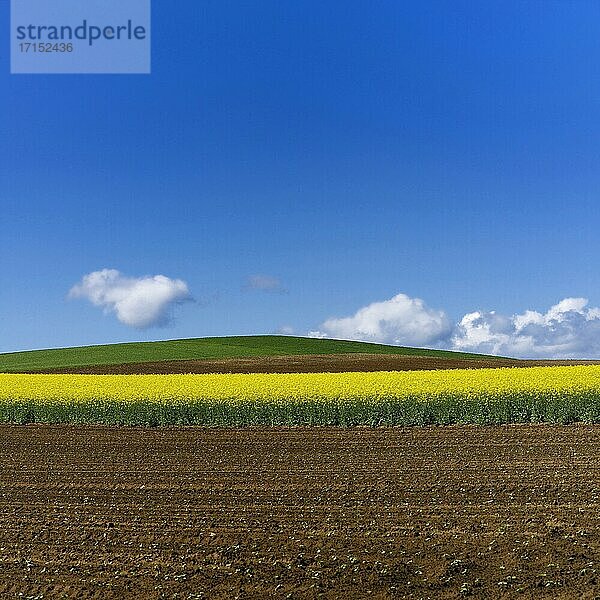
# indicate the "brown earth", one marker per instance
pixel 313 363
pixel 98 512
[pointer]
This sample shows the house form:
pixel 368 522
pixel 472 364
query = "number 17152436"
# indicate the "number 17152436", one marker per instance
pixel 45 47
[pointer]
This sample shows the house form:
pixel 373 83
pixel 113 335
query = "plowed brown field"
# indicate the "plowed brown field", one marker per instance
pixel 98 512
pixel 312 363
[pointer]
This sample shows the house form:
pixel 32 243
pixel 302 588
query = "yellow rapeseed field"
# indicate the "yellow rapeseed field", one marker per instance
pixel 381 397
pixel 297 386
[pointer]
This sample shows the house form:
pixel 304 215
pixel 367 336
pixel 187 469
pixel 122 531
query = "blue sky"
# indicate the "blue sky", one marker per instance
pixel 345 151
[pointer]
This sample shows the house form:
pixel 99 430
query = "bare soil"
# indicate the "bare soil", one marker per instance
pixel 99 512
pixel 312 363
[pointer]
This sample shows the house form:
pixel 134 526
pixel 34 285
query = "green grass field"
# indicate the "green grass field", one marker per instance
pixel 201 348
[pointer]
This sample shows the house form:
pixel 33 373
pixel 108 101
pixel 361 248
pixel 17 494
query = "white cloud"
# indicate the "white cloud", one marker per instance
pixel 265 283
pixel 138 302
pixel 400 320
pixel 569 329
pixel 320 335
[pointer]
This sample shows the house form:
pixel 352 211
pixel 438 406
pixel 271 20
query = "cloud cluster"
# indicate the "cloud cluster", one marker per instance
pixel 569 329
pixel 139 302
pixel 399 320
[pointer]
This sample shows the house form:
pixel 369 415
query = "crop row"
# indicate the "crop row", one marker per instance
pixel 484 396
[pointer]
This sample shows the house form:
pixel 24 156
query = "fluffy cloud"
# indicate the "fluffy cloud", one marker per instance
pixel 265 283
pixel 569 329
pixel 400 320
pixel 138 302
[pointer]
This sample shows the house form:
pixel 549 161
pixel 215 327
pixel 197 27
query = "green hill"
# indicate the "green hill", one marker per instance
pixel 201 348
